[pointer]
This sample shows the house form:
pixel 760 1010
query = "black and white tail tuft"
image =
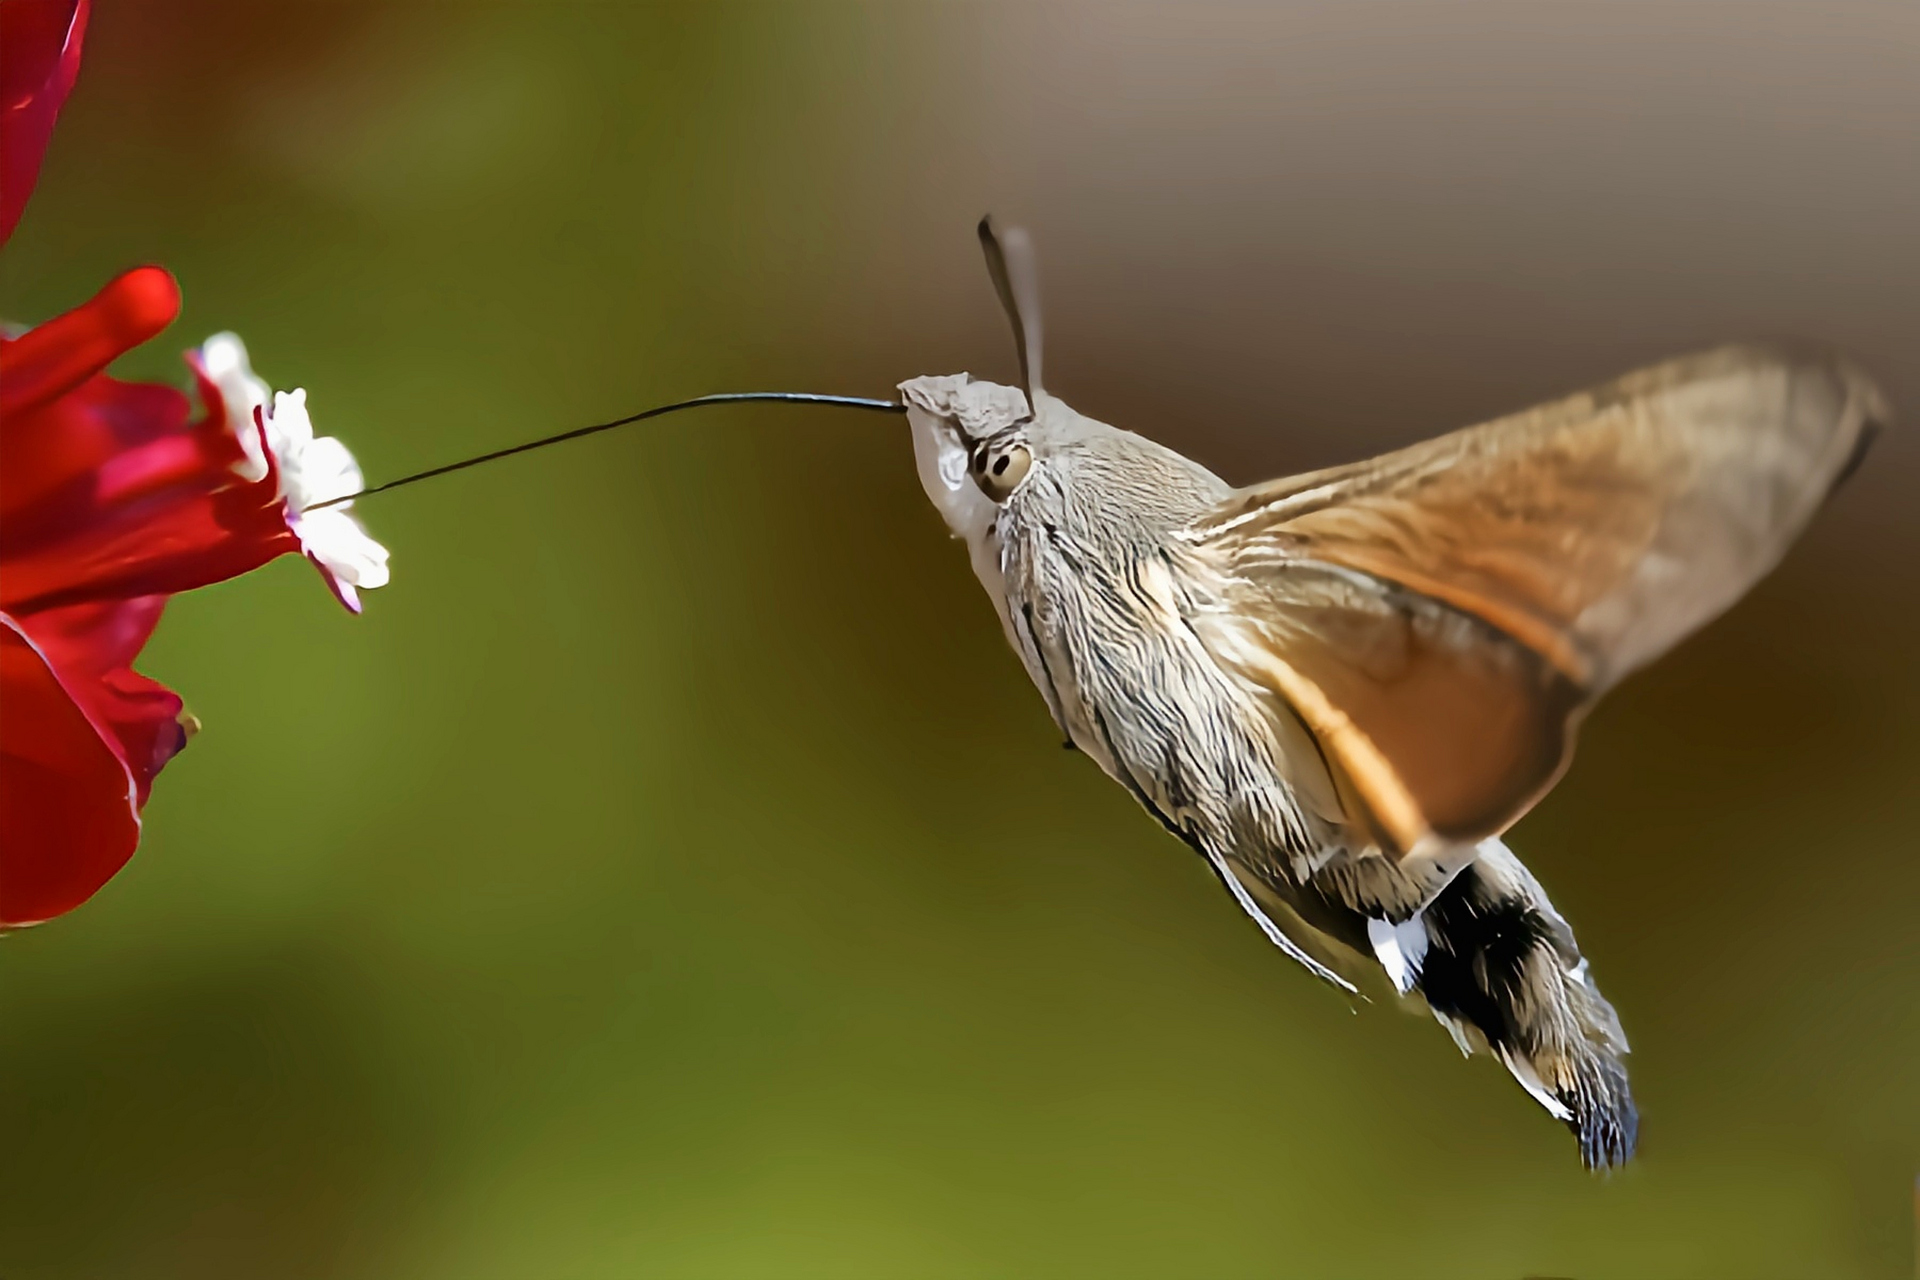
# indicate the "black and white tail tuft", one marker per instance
pixel 1499 966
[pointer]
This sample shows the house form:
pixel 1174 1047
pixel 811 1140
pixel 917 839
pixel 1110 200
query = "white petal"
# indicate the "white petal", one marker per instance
pixel 327 471
pixel 289 428
pixel 343 548
pixel 224 357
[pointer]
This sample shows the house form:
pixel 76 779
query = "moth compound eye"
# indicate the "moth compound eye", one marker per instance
pixel 999 472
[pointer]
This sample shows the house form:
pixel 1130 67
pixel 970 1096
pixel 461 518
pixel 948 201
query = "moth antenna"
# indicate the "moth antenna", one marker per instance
pixel 1017 280
pixel 725 397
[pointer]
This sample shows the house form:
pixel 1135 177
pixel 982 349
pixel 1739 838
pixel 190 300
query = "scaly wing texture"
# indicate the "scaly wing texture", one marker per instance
pixel 1441 616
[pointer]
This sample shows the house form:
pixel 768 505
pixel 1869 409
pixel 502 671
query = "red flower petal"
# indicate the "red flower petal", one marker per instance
pixel 54 358
pixel 91 648
pixel 42 39
pixel 60 421
pixel 169 542
pixel 67 803
pixel 107 490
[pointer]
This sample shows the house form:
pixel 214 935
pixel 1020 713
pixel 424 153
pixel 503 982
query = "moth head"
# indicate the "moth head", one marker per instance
pixel 975 447
pixel 973 441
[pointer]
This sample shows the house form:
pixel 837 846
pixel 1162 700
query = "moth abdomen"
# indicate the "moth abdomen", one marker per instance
pixel 1500 960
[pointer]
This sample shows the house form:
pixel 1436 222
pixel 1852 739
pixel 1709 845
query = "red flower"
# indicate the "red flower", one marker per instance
pixel 107 490
pixel 113 497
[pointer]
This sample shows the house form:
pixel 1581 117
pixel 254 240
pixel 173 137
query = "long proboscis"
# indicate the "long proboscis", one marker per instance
pixel 724 397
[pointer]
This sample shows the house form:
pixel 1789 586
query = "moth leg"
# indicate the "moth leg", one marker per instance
pixel 1230 877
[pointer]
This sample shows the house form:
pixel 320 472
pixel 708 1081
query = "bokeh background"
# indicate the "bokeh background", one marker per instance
pixel 673 875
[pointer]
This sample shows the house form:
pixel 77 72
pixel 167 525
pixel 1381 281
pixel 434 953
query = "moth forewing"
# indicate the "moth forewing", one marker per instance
pixel 1520 568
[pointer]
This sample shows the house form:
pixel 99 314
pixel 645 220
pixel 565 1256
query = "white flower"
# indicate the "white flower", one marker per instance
pixel 312 470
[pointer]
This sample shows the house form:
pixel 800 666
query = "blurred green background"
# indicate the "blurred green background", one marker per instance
pixel 672 874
